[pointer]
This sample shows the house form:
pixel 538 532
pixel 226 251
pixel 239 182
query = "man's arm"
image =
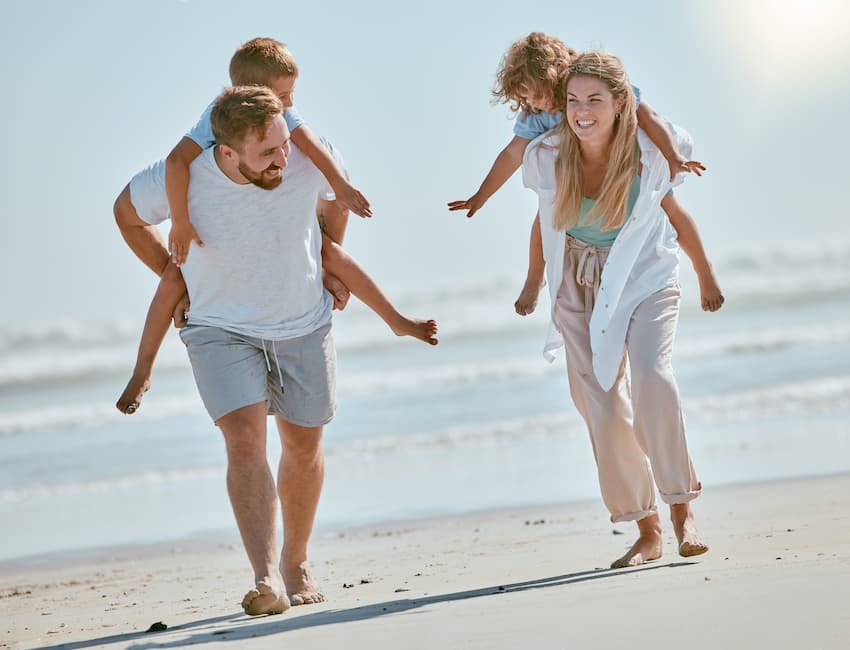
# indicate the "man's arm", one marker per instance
pixel 333 219
pixel 143 239
pixel 148 244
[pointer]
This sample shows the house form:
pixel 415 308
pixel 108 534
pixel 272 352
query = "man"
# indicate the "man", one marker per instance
pixel 258 334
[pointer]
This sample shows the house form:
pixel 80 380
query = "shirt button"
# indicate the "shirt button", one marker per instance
pixel 603 331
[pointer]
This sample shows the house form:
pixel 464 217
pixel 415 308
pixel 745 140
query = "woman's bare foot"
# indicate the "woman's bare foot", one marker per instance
pixel 424 330
pixel 527 301
pixel 709 290
pixel 690 543
pixel 267 597
pixel 131 398
pixel 300 585
pixel 647 547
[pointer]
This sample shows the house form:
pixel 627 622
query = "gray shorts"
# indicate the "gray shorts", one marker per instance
pixel 297 377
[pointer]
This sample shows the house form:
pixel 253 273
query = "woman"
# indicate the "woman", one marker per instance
pixel 612 270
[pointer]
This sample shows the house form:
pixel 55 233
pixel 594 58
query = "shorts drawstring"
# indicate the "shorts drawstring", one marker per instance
pixel 276 362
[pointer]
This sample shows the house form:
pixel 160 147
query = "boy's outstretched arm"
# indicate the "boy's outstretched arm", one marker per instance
pixel 182 232
pixel 506 163
pixel 651 123
pixel 347 195
pixel 689 240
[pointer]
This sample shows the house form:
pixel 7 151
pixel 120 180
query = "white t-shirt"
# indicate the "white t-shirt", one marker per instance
pixel 643 259
pixel 260 270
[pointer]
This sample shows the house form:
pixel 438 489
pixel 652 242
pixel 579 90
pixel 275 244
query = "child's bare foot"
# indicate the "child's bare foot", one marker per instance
pixel 690 543
pixel 131 398
pixel 267 597
pixel 527 301
pixel 647 547
pixel 301 586
pixel 424 330
pixel 710 293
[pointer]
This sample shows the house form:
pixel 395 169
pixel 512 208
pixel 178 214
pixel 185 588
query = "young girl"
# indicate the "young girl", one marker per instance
pixel 530 79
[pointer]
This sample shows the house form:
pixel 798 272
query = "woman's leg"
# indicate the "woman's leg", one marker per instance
pixel 658 421
pixel 625 478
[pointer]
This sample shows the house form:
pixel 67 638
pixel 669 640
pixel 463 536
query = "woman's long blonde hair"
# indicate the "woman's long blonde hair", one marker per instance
pixel 624 154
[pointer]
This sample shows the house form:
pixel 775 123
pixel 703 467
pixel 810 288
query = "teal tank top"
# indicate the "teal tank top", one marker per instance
pixel 590 233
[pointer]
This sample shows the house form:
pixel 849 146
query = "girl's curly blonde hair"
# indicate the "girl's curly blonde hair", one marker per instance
pixel 538 62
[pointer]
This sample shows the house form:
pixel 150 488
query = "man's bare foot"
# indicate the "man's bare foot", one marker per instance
pixel 710 293
pixel 267 597
pixel 131 398
pixel 301 586
pixel 647 547
pixel 690 543
pixel 424 330
pixel 527 301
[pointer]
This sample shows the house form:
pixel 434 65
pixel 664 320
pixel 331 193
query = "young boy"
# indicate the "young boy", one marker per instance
pixel 530 79
pixel 162 189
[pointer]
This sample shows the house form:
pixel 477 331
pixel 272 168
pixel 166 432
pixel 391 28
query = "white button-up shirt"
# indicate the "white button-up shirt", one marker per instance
pixel 643 259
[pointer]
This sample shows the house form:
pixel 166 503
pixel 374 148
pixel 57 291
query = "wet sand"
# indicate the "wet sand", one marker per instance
pixel 777 576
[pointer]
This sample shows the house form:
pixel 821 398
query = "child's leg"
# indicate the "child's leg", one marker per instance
pixel 168 294
pixel 527 301
pixel 339 263
pixel 689 241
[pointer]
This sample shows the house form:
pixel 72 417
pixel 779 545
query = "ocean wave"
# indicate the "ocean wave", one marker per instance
pixel 820 395
pixel 132 481
pixel 76 415
pixel 406 380
pixel 816 396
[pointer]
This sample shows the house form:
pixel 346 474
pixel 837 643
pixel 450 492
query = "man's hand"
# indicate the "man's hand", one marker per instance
pixel 678 165
pixel 181 312
pixel 349 198
pixel 473 204
pixel 337 289
pixel 180 237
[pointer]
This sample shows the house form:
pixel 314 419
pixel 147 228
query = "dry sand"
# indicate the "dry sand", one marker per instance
pixel 777 576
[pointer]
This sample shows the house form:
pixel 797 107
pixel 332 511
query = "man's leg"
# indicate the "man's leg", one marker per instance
pixel 251 487
pixel 299 482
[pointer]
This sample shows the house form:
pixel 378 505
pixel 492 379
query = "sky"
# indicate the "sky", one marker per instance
pixel 97 90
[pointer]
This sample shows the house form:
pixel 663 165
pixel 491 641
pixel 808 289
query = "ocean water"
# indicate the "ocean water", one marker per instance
pixel 480 421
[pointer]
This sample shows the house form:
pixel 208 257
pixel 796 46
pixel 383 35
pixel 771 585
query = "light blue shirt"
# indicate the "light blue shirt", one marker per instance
pixel 591 232
pixel 202 132
pixel 530 125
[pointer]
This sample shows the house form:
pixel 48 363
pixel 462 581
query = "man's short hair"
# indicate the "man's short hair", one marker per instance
pixel 260 61
pixel 242 110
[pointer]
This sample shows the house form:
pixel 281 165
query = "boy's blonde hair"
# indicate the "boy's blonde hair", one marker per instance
pixel 537 61
pixel 242 110
pixel 260 61
pixel 624 154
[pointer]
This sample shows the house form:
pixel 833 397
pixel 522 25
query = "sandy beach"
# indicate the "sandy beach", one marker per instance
pixel 776 577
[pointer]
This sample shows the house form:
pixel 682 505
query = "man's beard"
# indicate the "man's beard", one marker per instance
pixel 258 178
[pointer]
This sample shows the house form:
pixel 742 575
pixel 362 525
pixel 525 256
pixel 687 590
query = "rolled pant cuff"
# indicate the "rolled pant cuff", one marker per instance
pixel 684 497
pixel 634 516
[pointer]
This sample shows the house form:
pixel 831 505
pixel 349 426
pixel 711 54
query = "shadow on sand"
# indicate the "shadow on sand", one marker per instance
pixel 246 628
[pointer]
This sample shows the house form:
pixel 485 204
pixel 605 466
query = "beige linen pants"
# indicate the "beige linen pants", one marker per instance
pixel 636 428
